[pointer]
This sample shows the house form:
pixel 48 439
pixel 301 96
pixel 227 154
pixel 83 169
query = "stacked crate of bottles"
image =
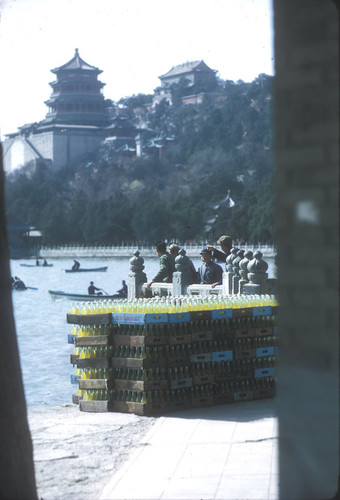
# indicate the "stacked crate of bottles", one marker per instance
pixel 187 353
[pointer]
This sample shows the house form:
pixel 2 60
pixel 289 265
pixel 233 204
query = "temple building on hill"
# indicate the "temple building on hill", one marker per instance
pixel 80 122
pixel 190 81
pixel 75 123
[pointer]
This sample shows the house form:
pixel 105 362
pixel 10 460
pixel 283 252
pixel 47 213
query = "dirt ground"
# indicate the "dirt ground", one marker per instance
pixel 75 453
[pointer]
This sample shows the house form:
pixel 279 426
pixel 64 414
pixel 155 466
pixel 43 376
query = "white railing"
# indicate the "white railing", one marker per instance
pixel 98 251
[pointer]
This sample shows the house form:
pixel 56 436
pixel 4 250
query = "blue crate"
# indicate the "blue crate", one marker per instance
pixel 264 372
pixel 265 351
pixel 138 318
pixel 221 313
pixel 262 311
pixel 180 317
pixel 222 356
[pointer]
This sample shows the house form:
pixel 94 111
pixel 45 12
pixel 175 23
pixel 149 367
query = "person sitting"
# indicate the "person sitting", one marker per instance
pixel 92 289
pixel 123 290
pixel 37 262
pixel 19 284
pixel 76 265
pixel 166 265
pixel 209 273
pixel 45 263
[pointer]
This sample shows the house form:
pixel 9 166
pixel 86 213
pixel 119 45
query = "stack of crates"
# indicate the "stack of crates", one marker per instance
pixel 152 364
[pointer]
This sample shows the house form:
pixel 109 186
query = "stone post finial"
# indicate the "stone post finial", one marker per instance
pixel 230 270
pixel 136 277
pixel 257 274
pixel 235 263
pixel 248 255
pixel 183 277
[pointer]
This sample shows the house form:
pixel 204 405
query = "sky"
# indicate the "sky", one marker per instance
pixel 132 41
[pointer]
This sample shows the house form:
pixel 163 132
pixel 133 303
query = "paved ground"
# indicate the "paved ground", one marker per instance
pixel 224 452
pixel 75 453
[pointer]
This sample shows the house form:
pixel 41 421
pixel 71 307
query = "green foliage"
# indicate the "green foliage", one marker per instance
pixel 221 145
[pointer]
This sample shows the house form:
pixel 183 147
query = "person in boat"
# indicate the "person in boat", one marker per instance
pixel 209 273
pixel 37 262
pixel 123 290
pixel 76 265
pixel 166 265
pixel 174 251
pixel 226 244
pixel 93 289
pixel 18 284
pixel 45 263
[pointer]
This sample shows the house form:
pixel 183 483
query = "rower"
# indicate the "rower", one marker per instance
pixel 92 289
pixel 18 284
pixel 76 265
pixel 123 290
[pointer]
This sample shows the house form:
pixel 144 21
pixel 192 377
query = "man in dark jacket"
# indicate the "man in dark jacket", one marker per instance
pixel 209 273
pixel 166 265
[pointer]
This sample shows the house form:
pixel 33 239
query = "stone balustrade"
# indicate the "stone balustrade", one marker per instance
pixel 246 274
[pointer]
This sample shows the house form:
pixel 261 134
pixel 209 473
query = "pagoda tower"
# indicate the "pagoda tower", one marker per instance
pixel 77 96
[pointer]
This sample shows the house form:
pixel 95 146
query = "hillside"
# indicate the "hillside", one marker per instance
pixel 218 168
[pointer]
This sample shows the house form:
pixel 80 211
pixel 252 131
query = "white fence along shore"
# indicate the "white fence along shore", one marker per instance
pixel 97 251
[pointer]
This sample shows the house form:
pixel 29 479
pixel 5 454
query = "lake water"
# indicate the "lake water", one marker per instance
pixel 41 324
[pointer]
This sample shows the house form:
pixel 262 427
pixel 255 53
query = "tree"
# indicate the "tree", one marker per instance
pixel 16 456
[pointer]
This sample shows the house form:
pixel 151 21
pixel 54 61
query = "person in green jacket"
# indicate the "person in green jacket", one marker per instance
pixel 166 265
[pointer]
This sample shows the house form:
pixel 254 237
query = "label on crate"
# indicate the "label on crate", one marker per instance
pixel 201 358
pixel 262 311
pixel 138 319
pixel 180 317
pixel 75 378
pixel 239 334
pixel 265 351
pixel 244 311
pixel 197 315
pixel 89 319
pixel 180 383
pixel 222 356
pixel 221 313
pixel 245 354
pixel 243 396
pixel 264 372
pixel 71 339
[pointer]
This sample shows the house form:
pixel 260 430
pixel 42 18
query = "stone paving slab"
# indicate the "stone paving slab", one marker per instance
pixel 224 452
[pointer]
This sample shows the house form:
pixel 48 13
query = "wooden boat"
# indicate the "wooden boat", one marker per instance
pixel 58 294
pixel 36 265
pixel 86 270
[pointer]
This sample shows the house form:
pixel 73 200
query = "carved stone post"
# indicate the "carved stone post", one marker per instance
pixel 257 275
pixel 182 278
pixel 230 270
pixel 136 277
pixel 248 255
pixel 236 269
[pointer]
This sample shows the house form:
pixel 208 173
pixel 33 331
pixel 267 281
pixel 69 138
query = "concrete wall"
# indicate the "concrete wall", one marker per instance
pixel 17 152
pixel 306 123
pixel 60 148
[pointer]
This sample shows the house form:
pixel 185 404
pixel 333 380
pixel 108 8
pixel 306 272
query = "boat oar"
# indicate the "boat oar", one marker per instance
pixel 104 291
pixel 31 288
